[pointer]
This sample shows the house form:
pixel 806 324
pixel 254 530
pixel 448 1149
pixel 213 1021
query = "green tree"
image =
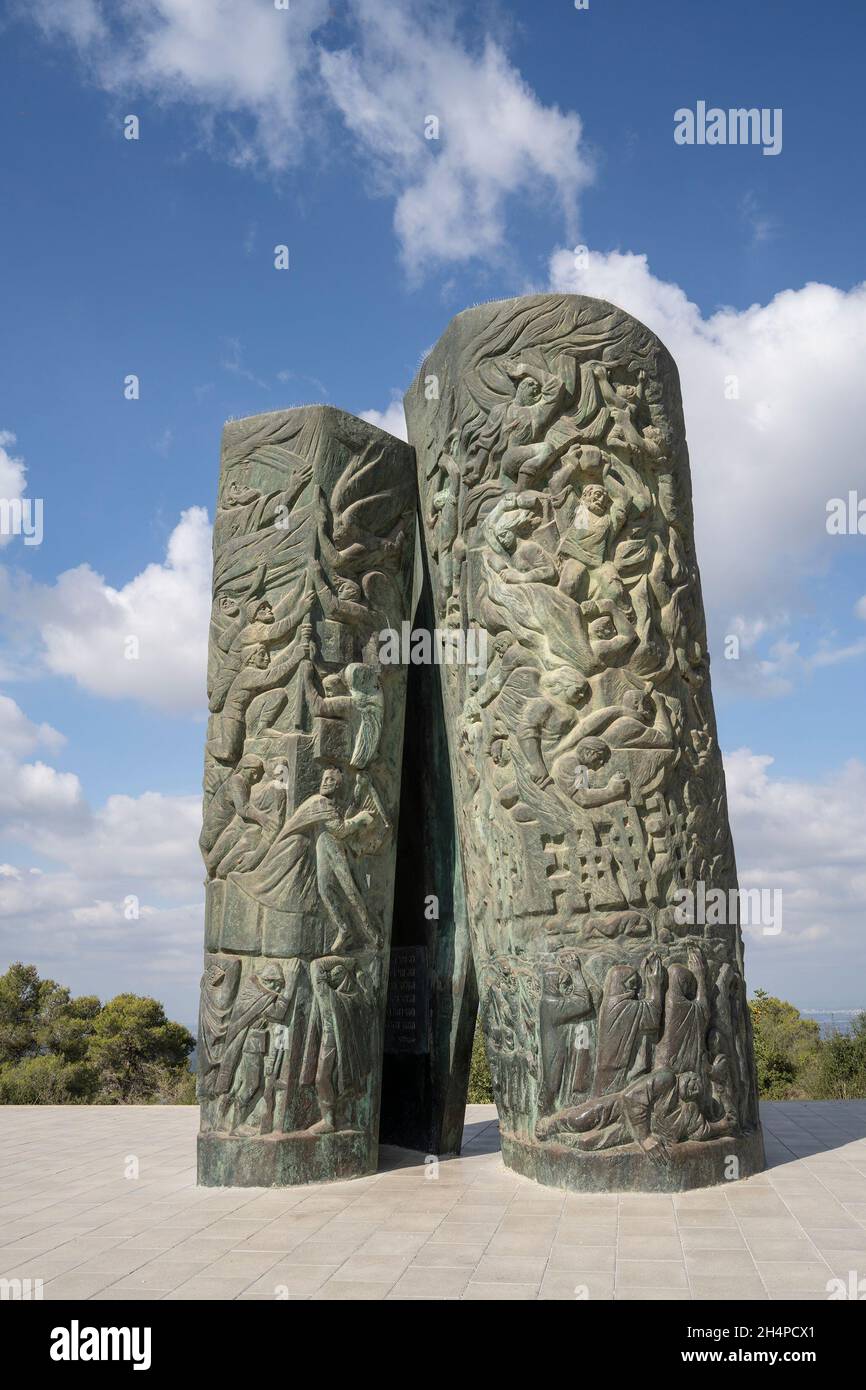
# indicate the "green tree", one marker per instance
pixel 840 1069
pixel 131 1035
pixel 29 1007
pixel 787 1048
pixel 60 1050
pixel 480 1084
pixel 48 1080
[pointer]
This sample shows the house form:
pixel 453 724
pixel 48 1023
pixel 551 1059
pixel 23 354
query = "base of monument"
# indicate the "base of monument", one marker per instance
pixel 629 1169
pixel 284 1160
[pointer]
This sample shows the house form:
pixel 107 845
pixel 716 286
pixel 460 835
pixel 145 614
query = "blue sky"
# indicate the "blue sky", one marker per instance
pixel 155 257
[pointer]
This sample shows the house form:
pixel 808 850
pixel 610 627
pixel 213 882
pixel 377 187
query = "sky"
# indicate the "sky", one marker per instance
pixel 305 124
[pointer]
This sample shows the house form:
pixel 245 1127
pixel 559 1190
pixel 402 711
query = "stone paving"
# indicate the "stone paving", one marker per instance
pixel 462 1229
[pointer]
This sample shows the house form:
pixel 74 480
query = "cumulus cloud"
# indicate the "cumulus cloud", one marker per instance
pixel 774 412
pixel 391 418
pixel 145 641
pixel 453 134
pixel 243 63
pixel 32 791
pixel 119 906
pixel 265 82
pixel 808 840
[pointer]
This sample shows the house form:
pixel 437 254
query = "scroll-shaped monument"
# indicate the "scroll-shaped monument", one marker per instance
pixel 556 506
pixel 313 548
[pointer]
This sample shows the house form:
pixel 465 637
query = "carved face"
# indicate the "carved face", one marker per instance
pixel 264 612
pixel 271 975
pixel 228 607
pixel 567 685
pixel 362 678
pixel 639 705
pixel 331 780
pixel 592 753
pixel 348 591
pixel 527 392
pixel 602 628
pixel 507 537
pixel 236 494
pixel 689 1086
pixel 259 657
pixel 595 499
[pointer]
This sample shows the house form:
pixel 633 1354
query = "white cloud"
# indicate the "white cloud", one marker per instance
pixel 243 63
pixel 19 735
pixel 495 139
pixel 120 905
pixel 12 479
pixel 86 627
pixel 33 792
pixel 807 839
pixel 764 464
pixel 391 419
pixel 264 84
pixel 78 20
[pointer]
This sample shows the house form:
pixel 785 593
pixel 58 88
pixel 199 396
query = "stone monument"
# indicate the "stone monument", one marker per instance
pixel 555 501
pixel 313 552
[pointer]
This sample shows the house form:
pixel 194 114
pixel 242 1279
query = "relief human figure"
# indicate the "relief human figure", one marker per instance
pixel 509 1007
pixel 219 985
pixel 253 840
pixel 540 709
pixel 611 635
pixel 448 547
pixel 629 1019
pixel 311 853
pixel 345 1026
pixel 583 766
pixel 506 655
pixel 682 1046
pixel 230 810
pixel 586 548
pixel 362 706
pixel 518 591
pixel 514 432
pixel 730 1018
pixel 263 1000
pixel 565 1000
pixel 721 1078
pixel 640 723
pixel 513 557
pixel 258 676
pixel 621 403
pixel 260 625
pixel 654 1111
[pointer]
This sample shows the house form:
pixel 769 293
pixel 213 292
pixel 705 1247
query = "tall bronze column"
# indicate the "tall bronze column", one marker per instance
pixel 556 508
pixel 313 549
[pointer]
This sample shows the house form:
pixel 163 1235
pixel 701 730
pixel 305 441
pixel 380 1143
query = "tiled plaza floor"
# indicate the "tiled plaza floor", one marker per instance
pixel 71 1217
